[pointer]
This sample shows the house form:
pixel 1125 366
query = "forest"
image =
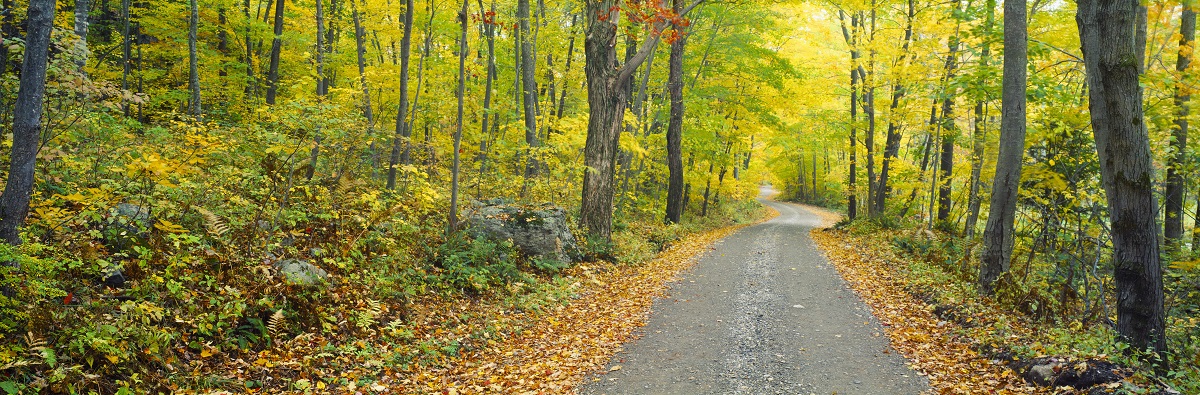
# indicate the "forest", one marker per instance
pixel 214 196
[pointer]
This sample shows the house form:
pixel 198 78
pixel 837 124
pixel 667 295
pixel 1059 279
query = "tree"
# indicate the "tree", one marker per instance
pixel 675 125
pixel 276 46
pixel 998 235
pixel 400 144
pixel 1173 220
pixel 193 61
pixel 607 80
pixel 948 128
pixel 977 139
pixel 529 94
pixel 1113 37
pixel 462 87
pixel 891 150
pixel 81 30
pixel 27 121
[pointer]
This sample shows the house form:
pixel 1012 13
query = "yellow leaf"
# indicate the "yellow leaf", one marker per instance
pixel 111 358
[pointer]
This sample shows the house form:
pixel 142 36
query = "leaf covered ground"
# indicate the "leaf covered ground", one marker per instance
pixel 545 344
pixel 930 343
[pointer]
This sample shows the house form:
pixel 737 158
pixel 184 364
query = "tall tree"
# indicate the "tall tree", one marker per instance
pixel 401 143
pixel 81 30
pixel 974 201
pixel 489 31
pixel 998 235
pixel 675 124
pixel 529 94
pixel 607 81
pixel 851 38
pixel 361 49
pixel 1173 221
pixel 27 121
pixel 458 129
pixel 1113 36
pixel 193 60
pixel 276 46
pixel 949 130
pixel 891 150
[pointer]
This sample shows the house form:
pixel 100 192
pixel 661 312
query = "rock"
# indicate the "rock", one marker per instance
pixel 1090 373
pixel 537 232
pixel 114 277
pixel 300 272
pixel 128 225
pixel 1041 375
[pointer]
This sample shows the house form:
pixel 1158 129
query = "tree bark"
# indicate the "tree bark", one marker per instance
pixel 891 150
pixel 27 121
pixel 1173 218
pixel 322 79
pixel 1113 37
pixel 978 140
pixel 401 145
pixel 194 61
pixel 360 41
pixel 950 132
pixel 529 96
pixel 82 7
pixel 851 38
pixel 998 235
pixel 462 86
pixel 276 47
pixel 675 127
pixel 608 95
pixel 489 27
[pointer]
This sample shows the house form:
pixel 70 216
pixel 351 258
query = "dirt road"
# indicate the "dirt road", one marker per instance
pixel 763 312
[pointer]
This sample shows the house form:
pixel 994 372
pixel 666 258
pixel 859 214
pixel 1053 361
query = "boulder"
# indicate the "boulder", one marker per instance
pixel 538 232
pixel 1041 375
pixel 300 272
pixel 128 225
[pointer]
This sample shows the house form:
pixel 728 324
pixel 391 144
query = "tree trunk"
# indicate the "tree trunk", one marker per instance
pixel 322 79
pixel 322 88
pixel 27 121
pixel 360 41
pixel 462 86
pixel 126 49
pixel 489 27
pixel 81 30
pixel 950 131
pixel 851 38
pixel 276 46
pixel 193 61
pixel 998 235
pixel 891 150
pixel 1113 36
pixel 562 101
pixel 529 96
pixel 607 82
pixel 401 146
pixel 869 111
pixel 979 128
pixel 675 127
pixel 1173 218
pixel 251 79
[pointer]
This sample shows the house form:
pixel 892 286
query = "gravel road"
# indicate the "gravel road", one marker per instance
pixel 762 312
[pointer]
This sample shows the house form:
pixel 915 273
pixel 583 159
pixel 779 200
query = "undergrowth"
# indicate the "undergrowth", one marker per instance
pixel 1035 312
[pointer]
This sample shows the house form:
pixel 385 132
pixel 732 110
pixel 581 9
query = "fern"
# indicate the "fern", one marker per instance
pixel 216 225
pixel 275 324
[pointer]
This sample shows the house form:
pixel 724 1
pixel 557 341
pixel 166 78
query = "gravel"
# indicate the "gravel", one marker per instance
pixel 762 312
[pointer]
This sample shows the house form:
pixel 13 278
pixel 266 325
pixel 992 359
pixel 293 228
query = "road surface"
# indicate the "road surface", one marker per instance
pixel 763 312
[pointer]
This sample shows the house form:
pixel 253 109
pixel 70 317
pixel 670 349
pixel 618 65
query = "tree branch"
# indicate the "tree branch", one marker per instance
pixel 647 48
